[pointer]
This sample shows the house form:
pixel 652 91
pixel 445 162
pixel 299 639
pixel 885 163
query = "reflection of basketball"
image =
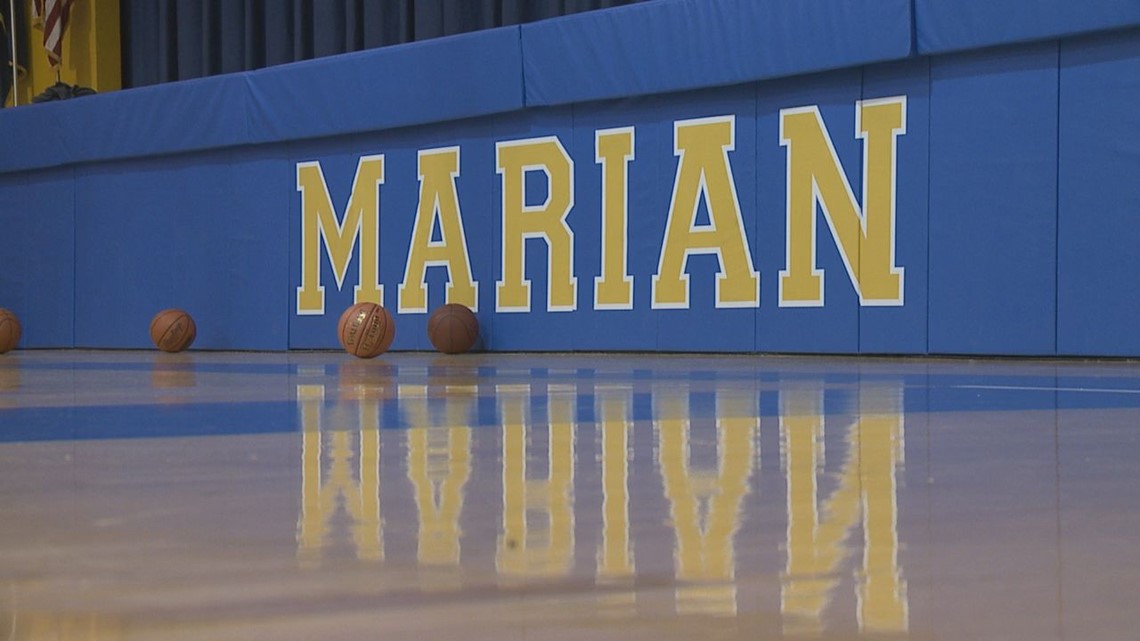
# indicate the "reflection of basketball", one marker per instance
pixel 453 329
pixel 359 380
pixel 366 330
pixel 172 330
pixel 173 372
pixel 9 330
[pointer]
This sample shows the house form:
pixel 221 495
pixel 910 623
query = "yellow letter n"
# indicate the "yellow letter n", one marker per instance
pixel 865 238
pixel 319 221
pixel 546 221
pixel 439 201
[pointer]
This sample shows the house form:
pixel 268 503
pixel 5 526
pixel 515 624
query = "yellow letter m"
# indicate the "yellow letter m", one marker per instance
pixel 319 221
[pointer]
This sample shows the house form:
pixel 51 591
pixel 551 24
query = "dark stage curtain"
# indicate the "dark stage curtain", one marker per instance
pixel 166 40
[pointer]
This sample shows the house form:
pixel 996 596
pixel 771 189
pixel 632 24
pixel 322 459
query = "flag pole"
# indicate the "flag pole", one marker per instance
pixel 15 62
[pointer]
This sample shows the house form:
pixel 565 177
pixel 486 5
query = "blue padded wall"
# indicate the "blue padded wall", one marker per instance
pixel 993 201
pixel 34 138
pixel 902 329
pixel 37 255
pixel 468 75
pixel 471 75
pixel 186 116
pixel 1099 196
pixel 204 232
pixel 1015 189
pixel 967 24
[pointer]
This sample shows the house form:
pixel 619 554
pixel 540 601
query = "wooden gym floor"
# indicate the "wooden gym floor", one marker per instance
pixel 511 497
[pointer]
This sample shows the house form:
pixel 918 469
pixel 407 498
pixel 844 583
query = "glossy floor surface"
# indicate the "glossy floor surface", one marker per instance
pixel 511 497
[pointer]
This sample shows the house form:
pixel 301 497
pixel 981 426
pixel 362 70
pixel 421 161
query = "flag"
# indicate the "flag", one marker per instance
pixel 51 16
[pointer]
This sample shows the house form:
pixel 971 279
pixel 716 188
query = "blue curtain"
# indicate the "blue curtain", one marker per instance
pixel 167 40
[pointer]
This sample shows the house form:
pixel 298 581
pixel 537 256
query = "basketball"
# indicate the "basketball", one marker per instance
pixel 172 330
pixel 9 331
pixel 366 330
pixel 453 329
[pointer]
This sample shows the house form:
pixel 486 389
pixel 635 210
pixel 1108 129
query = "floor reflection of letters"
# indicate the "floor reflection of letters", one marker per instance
pixel 537 537
pixel 703 445
pixel 705 555
pixel 819 527
pixel 30 625
pixel 593 496
pixel 328 481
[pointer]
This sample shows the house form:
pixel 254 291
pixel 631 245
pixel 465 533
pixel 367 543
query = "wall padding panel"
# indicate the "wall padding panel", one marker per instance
pixel 993 201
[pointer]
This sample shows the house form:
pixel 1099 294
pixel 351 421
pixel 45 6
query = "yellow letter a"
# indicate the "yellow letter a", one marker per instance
pixel 703 169
pixel 439 200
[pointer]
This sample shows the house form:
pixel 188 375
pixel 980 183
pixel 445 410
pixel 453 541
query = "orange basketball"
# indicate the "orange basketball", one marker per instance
pixel 172 330
pixel 366 330
pixel 453 329
pixel 9 331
